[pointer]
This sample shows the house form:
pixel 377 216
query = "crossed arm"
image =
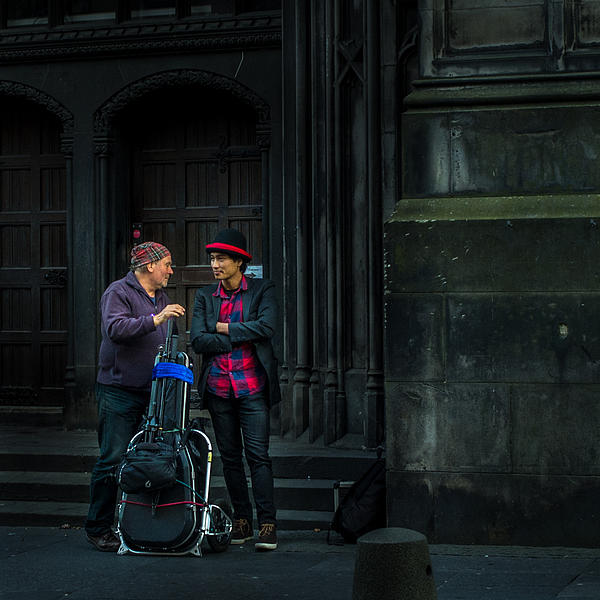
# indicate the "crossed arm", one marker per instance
pixel 211 336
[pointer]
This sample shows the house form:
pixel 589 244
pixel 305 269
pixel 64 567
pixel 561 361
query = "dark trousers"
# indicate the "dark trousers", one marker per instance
pixel 242 425
pixel 119 415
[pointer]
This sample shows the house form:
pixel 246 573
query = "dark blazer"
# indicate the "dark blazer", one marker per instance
pixel 260 319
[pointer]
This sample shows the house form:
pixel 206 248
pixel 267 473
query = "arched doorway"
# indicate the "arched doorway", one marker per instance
pixel 182 154
pixel 194 168
pixel 33 256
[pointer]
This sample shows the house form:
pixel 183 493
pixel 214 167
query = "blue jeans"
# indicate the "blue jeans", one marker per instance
pixel 120 413
pixel 242 424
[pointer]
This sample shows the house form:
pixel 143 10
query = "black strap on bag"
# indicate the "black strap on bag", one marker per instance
pixel 363 508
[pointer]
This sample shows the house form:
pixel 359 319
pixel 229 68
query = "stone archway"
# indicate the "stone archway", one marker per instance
pixel 233 162
pixel 106 132
pixel 41 99
pixel 105 115
pixel 36 335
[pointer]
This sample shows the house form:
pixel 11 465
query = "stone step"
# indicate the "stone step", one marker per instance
pixel 44 476
pixel 286 466
pixel 46 486
pixel 44 416
pixel 72 514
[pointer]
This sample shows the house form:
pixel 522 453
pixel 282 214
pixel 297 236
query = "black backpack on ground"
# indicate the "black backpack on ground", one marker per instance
pixel 363 508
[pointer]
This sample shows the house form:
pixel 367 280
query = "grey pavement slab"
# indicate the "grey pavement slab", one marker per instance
pixel 515 573
pixel 43 563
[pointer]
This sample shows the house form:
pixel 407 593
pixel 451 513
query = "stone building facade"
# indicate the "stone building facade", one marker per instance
pixel 492 278
pixel 418 177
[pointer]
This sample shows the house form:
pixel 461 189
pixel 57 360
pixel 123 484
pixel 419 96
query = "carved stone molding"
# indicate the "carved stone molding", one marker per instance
pixel 66 145
pixel 105 115
pixel 263 135
pixel 409 43
pixel 140 38
pixel 99 48
pixel 103 146
pixel 20 90
pixel 351 60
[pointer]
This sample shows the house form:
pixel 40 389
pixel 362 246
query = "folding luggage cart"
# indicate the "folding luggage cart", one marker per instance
pixel 165 474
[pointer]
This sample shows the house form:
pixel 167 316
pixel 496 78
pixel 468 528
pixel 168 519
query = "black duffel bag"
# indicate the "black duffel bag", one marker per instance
pixel 147 467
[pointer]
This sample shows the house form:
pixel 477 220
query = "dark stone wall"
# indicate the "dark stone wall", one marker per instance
pixel 476 37
pixel 492 280
pixel 502 150
pixel 493 359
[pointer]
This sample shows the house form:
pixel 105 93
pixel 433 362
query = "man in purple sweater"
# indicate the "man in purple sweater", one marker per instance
pixel 134 313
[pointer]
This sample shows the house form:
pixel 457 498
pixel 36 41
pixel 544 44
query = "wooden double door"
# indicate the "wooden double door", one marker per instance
pixel 193 167
pixel 196 169
pixel 33 258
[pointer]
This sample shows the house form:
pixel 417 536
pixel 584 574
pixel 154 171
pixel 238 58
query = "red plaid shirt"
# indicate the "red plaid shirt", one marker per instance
pixel 240 370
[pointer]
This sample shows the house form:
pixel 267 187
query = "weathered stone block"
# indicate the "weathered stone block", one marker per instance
pixel 414 326
pixel 453 427
pixel 526 337
pixel 483 508
pixel 586 17
pixel 473 24
pixel 491 255
pixel 493 151
pixel 555 429
pixel 426 155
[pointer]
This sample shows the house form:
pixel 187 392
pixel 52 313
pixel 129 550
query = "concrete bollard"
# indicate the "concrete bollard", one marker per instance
pixel 393 564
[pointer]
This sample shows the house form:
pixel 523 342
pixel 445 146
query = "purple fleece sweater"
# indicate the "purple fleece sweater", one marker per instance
pixel 129 337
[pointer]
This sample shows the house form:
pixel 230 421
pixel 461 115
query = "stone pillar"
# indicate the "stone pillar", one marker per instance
pixel 300 390
pixel 374 398
pixel 84 243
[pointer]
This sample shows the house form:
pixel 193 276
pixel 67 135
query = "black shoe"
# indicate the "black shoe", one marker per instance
pixel 267 537
pixel 107 542
pixel 241 532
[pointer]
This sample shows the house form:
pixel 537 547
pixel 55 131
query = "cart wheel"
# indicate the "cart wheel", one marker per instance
pixel 220 522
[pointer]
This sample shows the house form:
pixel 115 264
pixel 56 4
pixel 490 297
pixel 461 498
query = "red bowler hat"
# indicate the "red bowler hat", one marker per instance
pixel 230 241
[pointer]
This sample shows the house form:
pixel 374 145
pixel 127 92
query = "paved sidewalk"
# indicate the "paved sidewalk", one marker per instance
pixel 50 564
pixel 515 573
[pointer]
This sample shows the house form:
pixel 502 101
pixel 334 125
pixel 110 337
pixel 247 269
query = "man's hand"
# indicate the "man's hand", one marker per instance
pixel 168 312
pixel 223 328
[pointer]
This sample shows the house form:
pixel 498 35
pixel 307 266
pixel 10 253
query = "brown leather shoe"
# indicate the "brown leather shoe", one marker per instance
pixel 107 542
pixel 267 537
pixel 241 532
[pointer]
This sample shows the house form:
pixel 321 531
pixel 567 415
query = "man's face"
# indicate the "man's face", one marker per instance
pixel 160 272
pixel 224 266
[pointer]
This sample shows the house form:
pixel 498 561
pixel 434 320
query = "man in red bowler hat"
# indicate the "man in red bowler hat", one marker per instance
pixel 134 314
pixel 233 323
